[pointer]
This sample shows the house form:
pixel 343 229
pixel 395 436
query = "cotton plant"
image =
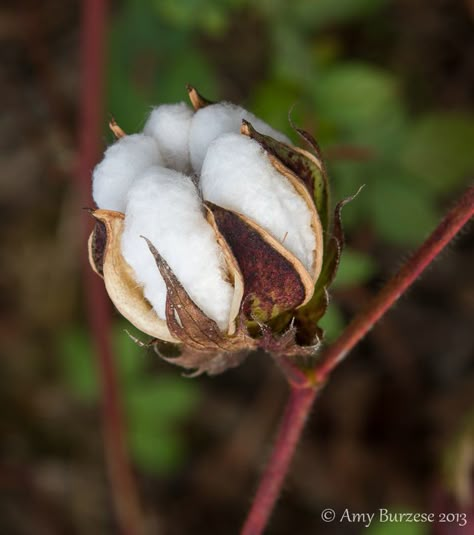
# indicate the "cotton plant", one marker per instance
pixel 212 233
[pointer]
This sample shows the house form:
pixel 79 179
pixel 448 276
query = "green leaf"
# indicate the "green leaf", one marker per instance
pixel 396 203
pixel 129 355
pixel 364 105
pixel 209 15
pixel 355 94
pixel 77 359
pixel 402 212
pixel 188 66
pixel 145 70
pixel 157 451
pixel 161 400
pixel 155 407
pixel 398 528
pixel 323 12
pixel 272 101
pixel 439 150
pixel 332 323
pixel 291 59
pixel 355 268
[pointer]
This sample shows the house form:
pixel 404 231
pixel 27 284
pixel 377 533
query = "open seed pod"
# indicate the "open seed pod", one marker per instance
pixel 213 233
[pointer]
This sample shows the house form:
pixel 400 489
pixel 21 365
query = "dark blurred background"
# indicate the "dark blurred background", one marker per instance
pixel 387 87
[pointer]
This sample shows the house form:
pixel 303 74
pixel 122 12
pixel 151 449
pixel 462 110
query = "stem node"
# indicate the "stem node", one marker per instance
pixel 305 385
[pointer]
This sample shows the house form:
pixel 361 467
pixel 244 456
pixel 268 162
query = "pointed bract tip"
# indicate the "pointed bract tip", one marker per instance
pixel 197 100
pixel 115 128
pixel 246 128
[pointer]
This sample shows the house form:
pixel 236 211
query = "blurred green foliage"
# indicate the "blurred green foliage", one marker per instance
pixel 397 528
pixel 156 48
pixel 414 163
pixel 439 150
pixel 354 267
pixel 156 405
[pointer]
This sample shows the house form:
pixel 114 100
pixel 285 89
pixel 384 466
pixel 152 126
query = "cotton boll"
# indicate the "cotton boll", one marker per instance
pixel 123 162
pixel 238 175
pixel 169 124
pixel 164 206
pixel 212 121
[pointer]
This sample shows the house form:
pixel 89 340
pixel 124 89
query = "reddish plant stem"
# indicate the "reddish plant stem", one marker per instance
pixel 302 397
pixel 292 423
pixel 451 224
pixel 124 492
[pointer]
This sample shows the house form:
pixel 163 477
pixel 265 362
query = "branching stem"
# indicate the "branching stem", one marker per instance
pixel 291 426
pixel 302 396
pixel 451 224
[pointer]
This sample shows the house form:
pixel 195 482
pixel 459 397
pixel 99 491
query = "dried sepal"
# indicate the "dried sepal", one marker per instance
pixel 233 273
pixel 197 100
pixel 123 290
pixel 187 322
pixel 285 344
pixel 96 247
pixel 334 245
pixel 307 317
pixel 211 363
pixel 274 279
pixel 309 168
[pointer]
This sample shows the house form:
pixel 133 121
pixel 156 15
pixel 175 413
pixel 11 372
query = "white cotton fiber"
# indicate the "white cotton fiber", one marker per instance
pixel 164 206
pixel 238 175
pixel 212 121
pixel 123 162
pixel 169 125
